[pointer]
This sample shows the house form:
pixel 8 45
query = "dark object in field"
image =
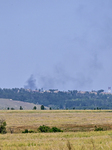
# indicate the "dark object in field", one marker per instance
pixel 48 129
pixel 3 126
pixel 98 128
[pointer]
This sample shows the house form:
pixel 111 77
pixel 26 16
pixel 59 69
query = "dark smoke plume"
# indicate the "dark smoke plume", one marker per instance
pixel 31 83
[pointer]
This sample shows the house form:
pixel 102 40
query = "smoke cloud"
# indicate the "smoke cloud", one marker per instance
pixel 31 83
pixel 63 78
pixel 79 58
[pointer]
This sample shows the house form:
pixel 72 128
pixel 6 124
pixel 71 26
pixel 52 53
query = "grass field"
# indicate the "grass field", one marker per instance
pixel 70 121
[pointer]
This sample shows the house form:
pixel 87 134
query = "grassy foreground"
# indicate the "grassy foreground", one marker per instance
pixel 57 141
pixel 69 121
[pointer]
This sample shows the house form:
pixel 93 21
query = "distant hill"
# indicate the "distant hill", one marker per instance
pixel 5 103
pixel 54 99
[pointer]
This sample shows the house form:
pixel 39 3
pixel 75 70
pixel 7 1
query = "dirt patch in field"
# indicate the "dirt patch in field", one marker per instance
pixel 64 127
pixel 89 127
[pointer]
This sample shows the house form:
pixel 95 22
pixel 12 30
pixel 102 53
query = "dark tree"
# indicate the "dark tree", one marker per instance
pixel 3 126
pixel 34 108
pixel 21 108
pixel 42 107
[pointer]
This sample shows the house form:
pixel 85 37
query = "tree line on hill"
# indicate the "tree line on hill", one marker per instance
pixel 21 108
pixel 61 100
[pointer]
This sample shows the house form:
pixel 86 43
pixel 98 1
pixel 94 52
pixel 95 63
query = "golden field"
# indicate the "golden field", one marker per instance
pixel 78 127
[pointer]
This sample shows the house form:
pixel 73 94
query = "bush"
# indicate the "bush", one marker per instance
pixel 3 126
pixel 48 129
pixel 34 108
pixel 98 129
pixel 30 131
pixel 21 108
pixel 42 107
pixel 26 131
pixel 44 128
pixel 8 108
pixel 55 129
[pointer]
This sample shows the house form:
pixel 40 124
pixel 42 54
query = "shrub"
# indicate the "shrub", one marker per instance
pixel 3 126
pixel 44 128
pixel 55 129
pixel 48 129
pixel 42 107
pixel 21 108
pixel 34 108
pixel 26 131
pixel 98 129
pixel 31 131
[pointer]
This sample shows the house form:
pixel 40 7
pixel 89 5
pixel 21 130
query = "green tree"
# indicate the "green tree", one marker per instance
pixel 21 108
pixel 34 108
pixel 42 107
pixel 44 128
pixel 100 91
pixel 3 126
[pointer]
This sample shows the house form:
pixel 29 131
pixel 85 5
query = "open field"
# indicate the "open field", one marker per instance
pixel 69 121
pixel 57 141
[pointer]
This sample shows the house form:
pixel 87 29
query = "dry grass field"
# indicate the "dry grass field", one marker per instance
pixel 78 127
pixel 57 141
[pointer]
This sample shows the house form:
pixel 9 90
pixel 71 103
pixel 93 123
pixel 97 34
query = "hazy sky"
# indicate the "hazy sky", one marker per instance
pixel 62 44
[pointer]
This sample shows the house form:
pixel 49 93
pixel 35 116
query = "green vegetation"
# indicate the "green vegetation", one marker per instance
pixel 3 126
pixel 48 129
pixel 74 123
pixel 59 141
pixel 28 131
pixel 44 129
pixel 55 129
pixel 34 108
pixel 21 108
pixel 42 107
pixel 98 129
pixel 61 100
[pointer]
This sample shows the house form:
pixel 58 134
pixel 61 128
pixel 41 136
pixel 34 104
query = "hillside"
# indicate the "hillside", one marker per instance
pixel 5 103
pixel 71 99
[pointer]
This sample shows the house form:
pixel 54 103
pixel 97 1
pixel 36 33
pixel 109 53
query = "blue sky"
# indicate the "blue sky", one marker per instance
pixel 65 45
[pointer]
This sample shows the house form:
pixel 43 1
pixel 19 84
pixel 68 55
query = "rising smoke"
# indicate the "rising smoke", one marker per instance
pixel 83 51
pixel 31 83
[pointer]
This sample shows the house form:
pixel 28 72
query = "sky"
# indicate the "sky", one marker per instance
pixel 62 44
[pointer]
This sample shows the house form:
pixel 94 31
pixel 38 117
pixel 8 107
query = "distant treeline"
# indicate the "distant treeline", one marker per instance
pixel 61 100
